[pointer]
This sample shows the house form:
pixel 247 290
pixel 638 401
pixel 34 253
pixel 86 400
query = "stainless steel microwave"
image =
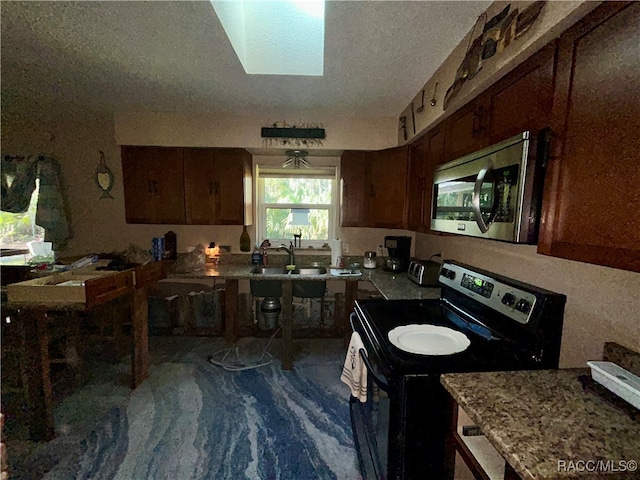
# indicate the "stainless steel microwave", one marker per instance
pixel 494 193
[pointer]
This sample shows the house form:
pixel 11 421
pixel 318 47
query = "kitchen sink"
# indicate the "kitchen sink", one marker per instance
pixel 269 270
pixel 310 271
pixel 283 271
pixel 273 288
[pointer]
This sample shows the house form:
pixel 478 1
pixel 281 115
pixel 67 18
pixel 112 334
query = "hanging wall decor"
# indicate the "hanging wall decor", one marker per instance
pixel 104 177
pixel 497 34
pixel 301 134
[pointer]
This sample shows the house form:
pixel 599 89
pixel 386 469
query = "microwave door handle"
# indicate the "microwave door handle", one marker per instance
pixel 476 200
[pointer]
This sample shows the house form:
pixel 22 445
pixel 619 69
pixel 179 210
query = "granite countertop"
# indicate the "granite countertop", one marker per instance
pixel 543 423
pixel 392 285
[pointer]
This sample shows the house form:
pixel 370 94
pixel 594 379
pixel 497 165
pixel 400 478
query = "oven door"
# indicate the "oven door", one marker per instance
pixel 370 424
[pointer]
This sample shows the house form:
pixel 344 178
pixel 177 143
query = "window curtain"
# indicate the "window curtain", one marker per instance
pixel 18 183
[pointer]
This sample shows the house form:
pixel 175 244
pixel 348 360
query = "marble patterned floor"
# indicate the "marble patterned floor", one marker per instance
pixel 194 420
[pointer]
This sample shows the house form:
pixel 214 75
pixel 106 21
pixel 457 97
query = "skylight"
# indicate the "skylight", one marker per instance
pixel 275 37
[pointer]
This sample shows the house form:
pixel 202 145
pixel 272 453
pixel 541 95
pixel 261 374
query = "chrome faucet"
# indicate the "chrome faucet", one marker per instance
pixel 290 251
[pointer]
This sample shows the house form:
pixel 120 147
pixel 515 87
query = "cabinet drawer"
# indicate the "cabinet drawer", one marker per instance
pixel 105 288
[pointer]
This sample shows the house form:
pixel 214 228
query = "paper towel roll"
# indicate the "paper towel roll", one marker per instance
pixel 336 251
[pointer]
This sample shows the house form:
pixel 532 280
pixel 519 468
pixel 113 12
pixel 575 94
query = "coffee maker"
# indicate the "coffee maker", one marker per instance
pixel 399 249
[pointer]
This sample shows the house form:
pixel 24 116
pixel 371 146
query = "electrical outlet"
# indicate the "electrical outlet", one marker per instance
pixel 345 247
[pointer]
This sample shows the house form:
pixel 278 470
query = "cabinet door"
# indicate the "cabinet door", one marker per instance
pixel 465 131
pixel 199 186
pixel 153 184
pixel 138 189
pixel 215 186
pixel 434 156
pixel 388 180
pixel 592 194
pixel 355 206
pixel 416 184
pixel 522 100
pixel 168 185
pixel 229 186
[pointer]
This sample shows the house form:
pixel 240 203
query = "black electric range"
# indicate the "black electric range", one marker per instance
pixel 400 431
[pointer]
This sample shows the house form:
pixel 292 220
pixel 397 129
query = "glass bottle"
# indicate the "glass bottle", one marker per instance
pixel 245 241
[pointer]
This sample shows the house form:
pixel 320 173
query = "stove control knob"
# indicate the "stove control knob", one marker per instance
pixel 450 274
pixel 523 306
pixel 508 299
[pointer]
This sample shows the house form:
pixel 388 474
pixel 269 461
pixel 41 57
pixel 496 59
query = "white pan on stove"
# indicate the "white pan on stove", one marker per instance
pixel 428 339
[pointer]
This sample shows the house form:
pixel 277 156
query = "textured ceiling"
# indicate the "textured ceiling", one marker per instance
pixel 175 56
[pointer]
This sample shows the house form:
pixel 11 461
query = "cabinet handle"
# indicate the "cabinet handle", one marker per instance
pixel 155 187
pixel 372 192
pixel 210 187
pixel 474 127
pixel 149 186
pixel 216 186
pixel 481 115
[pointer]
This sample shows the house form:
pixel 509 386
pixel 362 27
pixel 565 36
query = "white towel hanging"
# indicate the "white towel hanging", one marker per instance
pixel 354 372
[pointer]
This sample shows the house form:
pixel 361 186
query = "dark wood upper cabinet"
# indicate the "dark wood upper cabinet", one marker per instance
pixel 424 156
pixel 153 186
pixel 463 130
pixel 416 184
pixel 215 191
pixel 200 186
pixel 592 193
pixel 520 101
pixel 388 187
pixel 434 157
pixel 354 210
pixel 193 186
pixel 374 188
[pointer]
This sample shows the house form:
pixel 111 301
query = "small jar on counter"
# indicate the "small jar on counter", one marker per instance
pixel 369 260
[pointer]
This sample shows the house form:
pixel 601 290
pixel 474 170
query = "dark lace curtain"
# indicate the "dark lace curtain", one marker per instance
pixel 18 183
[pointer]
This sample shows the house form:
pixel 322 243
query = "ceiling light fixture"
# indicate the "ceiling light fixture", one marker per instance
pixel 296 158
pixel 275 37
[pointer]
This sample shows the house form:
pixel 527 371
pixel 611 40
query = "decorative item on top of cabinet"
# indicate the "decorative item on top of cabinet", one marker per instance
pixel 498 33
pixel 153 184
pixel 591 198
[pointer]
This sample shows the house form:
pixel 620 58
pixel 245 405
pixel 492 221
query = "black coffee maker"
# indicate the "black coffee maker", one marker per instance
pixel 399 249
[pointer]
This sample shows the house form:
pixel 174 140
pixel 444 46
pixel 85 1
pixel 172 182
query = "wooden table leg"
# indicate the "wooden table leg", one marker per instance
pixel 231 311
pixel 287 326
pixel 38 375
pixel 140 327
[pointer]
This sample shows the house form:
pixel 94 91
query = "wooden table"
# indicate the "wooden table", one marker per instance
pixel 34 315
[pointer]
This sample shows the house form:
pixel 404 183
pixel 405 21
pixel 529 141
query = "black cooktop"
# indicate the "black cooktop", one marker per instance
pixel 376 318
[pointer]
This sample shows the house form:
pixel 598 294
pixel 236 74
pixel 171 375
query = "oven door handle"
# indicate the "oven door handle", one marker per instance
pixel 377 378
